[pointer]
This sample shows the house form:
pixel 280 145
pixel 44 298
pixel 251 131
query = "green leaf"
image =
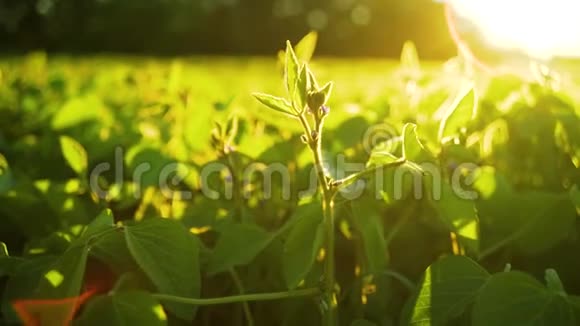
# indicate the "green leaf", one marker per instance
pixel 306 46
pixel 275 103
pixel 80 110
pixel 3 250
pixel 449 286
pixel 327 91
pixel 460 216
pixel 502 86
pixel 368 224
pixel 303 243
pixel 291 69
pixel 462 110
pixel 302 88
pixel 5 175
pixel 545 220
pixel 100 224
pixel 111 248
pixel 65 277
pixel 412 147
pixel 553 281
pixel 238 244
pixel 515 298
pixel 124 308
pixel 75 155
pixel 196 123
pixel 150 164
pixel 169 256
pixel 312 80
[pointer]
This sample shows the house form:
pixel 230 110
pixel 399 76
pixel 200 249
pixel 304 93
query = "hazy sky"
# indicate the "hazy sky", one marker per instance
pixel 543 28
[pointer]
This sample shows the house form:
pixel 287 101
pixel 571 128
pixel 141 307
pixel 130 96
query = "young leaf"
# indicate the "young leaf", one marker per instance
pixel 462 110
pixel 449 286
pixel 169 255
pixel 302 88
pixel 123 308
pixel 74 154
pixel 312 80
pixel 327 91
pixel 275 103
pixel 306 46
pixel 412 147
pixel 238 244
pixel 291 69
pixel 515 298
pixel 303 243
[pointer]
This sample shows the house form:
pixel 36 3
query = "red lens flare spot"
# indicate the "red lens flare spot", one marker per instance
pixel 50 312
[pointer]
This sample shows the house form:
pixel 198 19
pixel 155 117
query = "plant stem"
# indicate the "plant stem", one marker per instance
pixel 240 298
pixel 245 305
pixel 315 145
pixel 329 272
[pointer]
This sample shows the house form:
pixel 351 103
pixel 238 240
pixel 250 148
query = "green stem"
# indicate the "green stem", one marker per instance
pixel 239 298
pixel 315 145
pixel 329 268
pixel 245 305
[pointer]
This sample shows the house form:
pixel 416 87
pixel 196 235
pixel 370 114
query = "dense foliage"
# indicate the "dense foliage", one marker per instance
pixel 173 231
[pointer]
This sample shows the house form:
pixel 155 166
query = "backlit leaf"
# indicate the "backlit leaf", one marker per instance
pixel 306 46
pixel 459 113
pixel 74 154
pixel 449 286
pixel 169 256
pixel 275 103
pixel 291 69
pixel 515 298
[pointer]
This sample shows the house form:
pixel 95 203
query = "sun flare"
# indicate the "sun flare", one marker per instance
pixel 540 28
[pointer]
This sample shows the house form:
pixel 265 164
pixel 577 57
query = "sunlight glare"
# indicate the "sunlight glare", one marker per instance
pixel 540 28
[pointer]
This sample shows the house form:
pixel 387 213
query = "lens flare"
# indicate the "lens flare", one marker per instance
pixel 540 28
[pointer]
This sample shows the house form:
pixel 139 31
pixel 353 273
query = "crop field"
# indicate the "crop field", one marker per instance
pixel 178 191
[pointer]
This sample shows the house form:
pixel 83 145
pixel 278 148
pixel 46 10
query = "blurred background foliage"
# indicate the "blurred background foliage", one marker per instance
pixel 346 27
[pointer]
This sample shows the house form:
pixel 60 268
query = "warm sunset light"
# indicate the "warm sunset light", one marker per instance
pixel 540 28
